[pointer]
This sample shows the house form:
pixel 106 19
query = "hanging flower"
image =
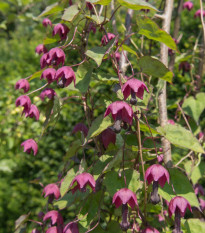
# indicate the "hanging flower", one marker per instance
pixel 188 5
pixel 29 145
pixel 49 74
pixel 48 92
pixel 178 206
pixel 66 74
pixel 108 136
pixel 22 84
pixel 105 40
pixel 82 181
pixel 41 49
pixel 46 22
pixel 80 127
pixel 52 191
pixel 62 30
pixel 124 197
pixel 121 111
pixel 55 217
pixel 134 87
pixel 159 175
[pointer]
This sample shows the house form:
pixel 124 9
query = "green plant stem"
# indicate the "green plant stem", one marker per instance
pixel 143 170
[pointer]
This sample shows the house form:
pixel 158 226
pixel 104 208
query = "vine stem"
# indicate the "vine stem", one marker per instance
pixel 143 170
pixel 37 89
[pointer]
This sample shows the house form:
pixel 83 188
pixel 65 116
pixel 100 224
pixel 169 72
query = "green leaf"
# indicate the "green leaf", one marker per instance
pixel 56 109
pixel 150 29
pixel 90 208
pixel 194 225
pixel 99 125
pixel 98 20
pixel 7 165
pixel 114 182
pixel 51 39
pixel 101 2
pixel 70 13
pixel 97 53
pixel 136 4
pixel 128 49
pixel 196 172
pixel 52 9
pixel 182 187
pixel 35 75
pixel 156 68
pixel 73 149
pixel 83 84
pixel 67 181
pixel 20 223
pixel 70 199
pixel 180 137
pixel 194 106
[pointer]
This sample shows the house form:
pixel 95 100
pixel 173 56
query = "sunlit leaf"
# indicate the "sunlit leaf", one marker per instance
pixel 182 187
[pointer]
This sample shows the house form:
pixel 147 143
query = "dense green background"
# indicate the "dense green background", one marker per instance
pixel 20 32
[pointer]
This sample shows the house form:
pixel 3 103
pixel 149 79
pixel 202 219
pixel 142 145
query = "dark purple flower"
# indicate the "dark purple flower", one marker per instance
pixel 44 61
pixel 89 5
pixel 82 128
pixel 66 74
pixel 29 145
pixel 71 227
pixel 82 181
pixel 62 30
pixel 41 49
pixel 49 74
pixel 105 40
pixel 46 22
pixel 188 5
pixel 198 13
pixel 157 172
pixel 55 217
pixel 185 67
pixel 55 229
pixel 52 191
pixel 134 87
pixel 32 112
pixel 92 27
pixel 56 56
pixel 170 51
pixel 150 230
pixel 22 84
pixel 40 215
pixel 23 101
pixel 171 122
pixel 160 218
pixel 117 56
pixel 160 158
pixel 120 110
pixel 70 2
pixel 124 197
pixel 179 203
pixel 198 189
pixel 201 135
pixel 202 204
pixel 159 175
pixel 108 136
pixel 178 206
pixel 35 231
pixel 48 92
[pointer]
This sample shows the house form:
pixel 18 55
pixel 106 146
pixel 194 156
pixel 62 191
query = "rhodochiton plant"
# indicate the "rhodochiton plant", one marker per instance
pixel 117 62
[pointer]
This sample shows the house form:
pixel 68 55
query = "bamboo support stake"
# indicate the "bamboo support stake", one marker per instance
pixel 162 99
